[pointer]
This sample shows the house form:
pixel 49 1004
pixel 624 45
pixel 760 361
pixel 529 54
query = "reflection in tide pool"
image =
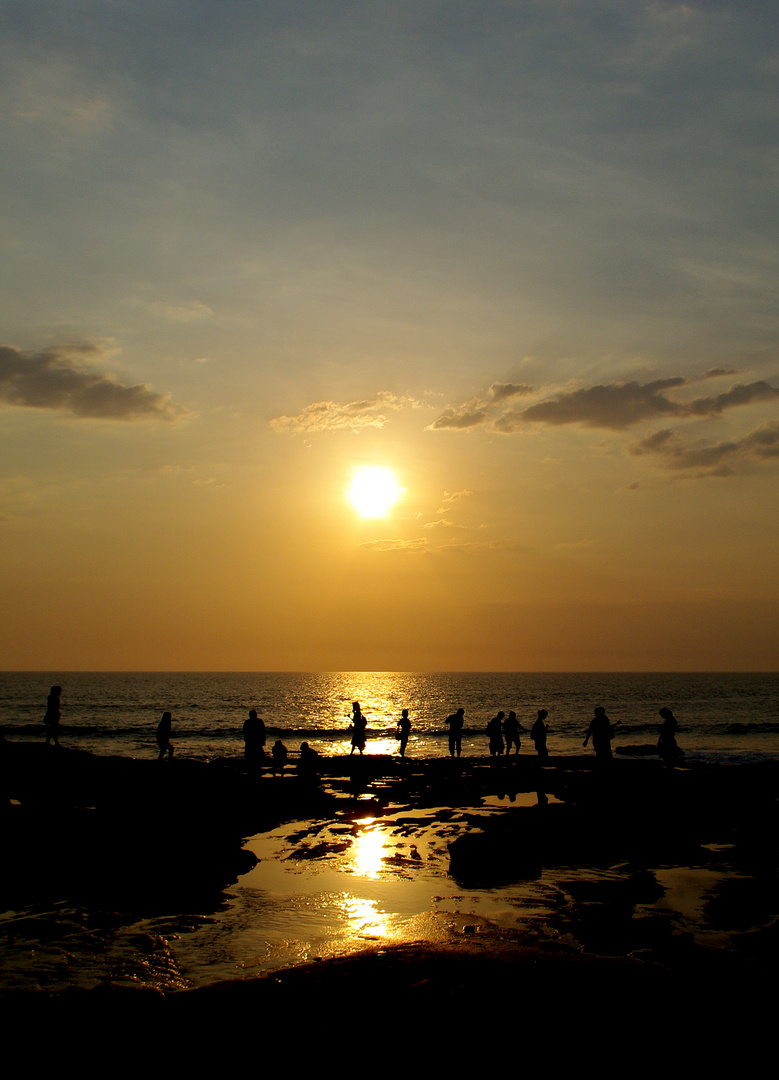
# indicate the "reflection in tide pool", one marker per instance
pixel 366 920
pixel 334 887
pixel 368 850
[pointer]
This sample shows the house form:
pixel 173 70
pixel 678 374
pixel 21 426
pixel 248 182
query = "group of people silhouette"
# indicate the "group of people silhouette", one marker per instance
pixel 504 732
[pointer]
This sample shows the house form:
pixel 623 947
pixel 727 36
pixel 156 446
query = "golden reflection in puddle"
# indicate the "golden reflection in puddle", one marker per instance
pixel 367 850
pixel 364 916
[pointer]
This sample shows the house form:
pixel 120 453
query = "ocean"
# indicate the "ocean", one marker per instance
pixel 722 716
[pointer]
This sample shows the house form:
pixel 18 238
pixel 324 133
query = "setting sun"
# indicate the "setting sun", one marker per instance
pixel 373 491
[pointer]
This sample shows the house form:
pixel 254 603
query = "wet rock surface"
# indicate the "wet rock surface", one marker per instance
pixel 90 840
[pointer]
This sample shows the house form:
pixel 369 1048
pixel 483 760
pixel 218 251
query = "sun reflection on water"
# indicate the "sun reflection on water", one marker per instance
pixel 364 916
pixel 367 850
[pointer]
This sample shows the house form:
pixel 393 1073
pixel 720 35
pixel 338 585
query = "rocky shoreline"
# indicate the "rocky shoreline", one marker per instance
pixel 141 835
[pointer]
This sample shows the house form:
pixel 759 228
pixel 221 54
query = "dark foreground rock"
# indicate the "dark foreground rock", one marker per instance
pixel 123 834
pixel 395 1008
pixel 131 834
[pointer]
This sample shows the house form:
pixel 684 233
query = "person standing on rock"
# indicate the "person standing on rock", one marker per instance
pixel 602 731
pixel 455 722
pixel 51 718
pixel 359 724
pixel 254 739
pixel 163 737
pixel 404 727
pixel 538 734
pixel 666 743
pixel 512 728
pixel 495 732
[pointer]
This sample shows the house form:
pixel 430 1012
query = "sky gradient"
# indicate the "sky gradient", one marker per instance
pixel 523 254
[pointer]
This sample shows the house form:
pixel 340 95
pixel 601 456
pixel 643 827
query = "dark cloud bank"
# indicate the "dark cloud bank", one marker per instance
pixel 760 444
pixel 618 406
pixel 59 378
pixel 614 405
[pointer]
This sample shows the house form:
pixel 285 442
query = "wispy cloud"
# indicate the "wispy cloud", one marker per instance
pixel 737 395
pixel 417 544
pixel 500 391
pixel 718 458
pixel 720 372
pixel 451 497
pixel 59 378
pixel 354 415
pixel 442 523
pixel 462 417
pixel 423 545
pixel 615 406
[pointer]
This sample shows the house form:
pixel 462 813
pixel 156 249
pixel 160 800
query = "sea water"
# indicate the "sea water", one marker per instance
pixel 725 716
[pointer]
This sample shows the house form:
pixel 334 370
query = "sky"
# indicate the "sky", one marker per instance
pixel 522 253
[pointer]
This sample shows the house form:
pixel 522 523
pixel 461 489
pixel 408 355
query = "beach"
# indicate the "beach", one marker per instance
pixel 169 886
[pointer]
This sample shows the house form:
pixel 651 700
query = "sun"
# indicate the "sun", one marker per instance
pixel 373 491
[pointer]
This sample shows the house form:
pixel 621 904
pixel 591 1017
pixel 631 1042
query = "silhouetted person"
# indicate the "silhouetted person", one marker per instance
pixel 495 732
pixel 359 724
pixel 666 743
pixel 538 734
pixel 279 757
pixel 512 728
pixel 455 722
pixel 309 760
pixel 602 731
pixel 404 727
pixel 163 737
pixel 51 717
pixel 254 739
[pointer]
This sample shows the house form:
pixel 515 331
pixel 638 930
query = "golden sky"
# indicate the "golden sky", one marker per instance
pixel 520 254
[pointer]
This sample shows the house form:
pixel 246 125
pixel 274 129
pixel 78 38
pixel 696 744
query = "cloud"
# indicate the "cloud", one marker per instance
pixel 472 414
pixel 58 378
pixel 737 395
pixel 443 524
pixel 718 372
pixel 764 441
pixel 331 416
pixel 615 405
pixel 510 422
pixel 500 391
pixel 761 444
pixel 421 544
pixel 452 497
pixel 417 544
pixel 621 405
